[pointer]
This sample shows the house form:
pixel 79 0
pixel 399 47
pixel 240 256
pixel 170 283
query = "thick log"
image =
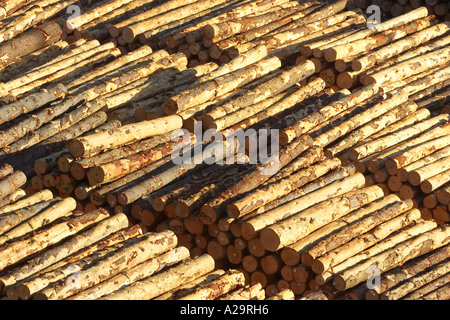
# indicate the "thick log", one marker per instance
pixel 384 142
pixel 41 240
pixel 43 195
pixel 416 176
pixel 393 257
pixel 229 281
pixel 139 272
pixel 435 290
pixel 432 183
pixel 157 285
pixel 255 178
pixel 251 291
pixel 112 171
pixel 380 232
pixel 377 40
pixel 410 67
pixel 84 239
pixel 403 172
pixel 355 229
pixel 279 188
pixel 62 208
pixel 220 85
pixel 325 113
pixel 410 269
pixel 301 94
pixel 407 233
pixel 149 246
pixel 31 40
pixel 123 135
pixel 278 235
pixel 11 182
pixel 416 39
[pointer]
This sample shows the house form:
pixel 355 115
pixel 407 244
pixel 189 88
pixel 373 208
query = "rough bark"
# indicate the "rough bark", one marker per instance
pixel 280 234
pixel 391 258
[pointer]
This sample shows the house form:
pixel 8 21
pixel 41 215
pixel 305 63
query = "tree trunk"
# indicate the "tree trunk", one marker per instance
pixel 395 138
pixel 139 272
pixel 356 229
pixel 398 47
pixel 252 291
pixel 220 85
pixel 11 182
pixel 29 41
pixel 393 257
pixel 128 133
pixel 303 223
pixel 416 176
pixel 407 233
pixel 309 122
pixel 432 183
pixel 358 244
pixel 40 219
pixel 279 188
pixel 165 281
pixel 150 245
pixel 372 42
pixel 47 237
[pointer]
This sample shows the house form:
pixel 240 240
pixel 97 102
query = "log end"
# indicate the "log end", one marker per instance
pixel 182 210
pixel 128 35
pixel 290 256
pixel 170 106
pixel 339 283
pixel 330 55
pixel 248 232
pixel 426 187
pixel 307 259
pixel 269 240
pixel 414 178
pixel 356 65
pixel 23 292
pixel 318 267
pixel 76 148
pixel 215 52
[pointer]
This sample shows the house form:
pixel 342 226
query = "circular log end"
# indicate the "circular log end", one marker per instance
pixel 371 295
pixel 270 239
pixel 40 167
pixel 170 107
pixel 330 55
pixel 394 183
pixel 307 259
pixel 353 155
pixel 234 255
pixel 114 32
pixel 128 35
pixel 345 80
pixel 269 264
pixel 339 283
pixel 158 204
pixel 414 178
pixel 233 211
pixel 76 148
pixel 208 32
pixel 208 215
pixel 80 193
pixel 77 171
pixel 63 164
pixel 215 250
pixel 233 52
pixel 317 267
pixel 290 256
pixel 426 187
pixel 122 199
pixel 23 292
pixel 356 65
pixel 215 52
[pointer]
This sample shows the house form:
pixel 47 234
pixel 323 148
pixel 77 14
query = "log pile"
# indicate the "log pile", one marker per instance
pixel 97 119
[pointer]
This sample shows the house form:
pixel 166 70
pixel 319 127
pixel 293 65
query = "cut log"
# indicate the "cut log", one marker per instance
pixel 47 237
pixel 11 182
pixel 149 246
pixel 252 291
pixel 410 269
pixel 393 257
pixel 219 86
pixel 165 281
pixel 123 135
pixel 41 196
pixel 139 272
pixel 431 184
pixel 355 230
pixel 40 219
pixel 416 39
pixel 416 176
pixel 278 235
pixel 277 189
pixel 359 244
pixel 435 290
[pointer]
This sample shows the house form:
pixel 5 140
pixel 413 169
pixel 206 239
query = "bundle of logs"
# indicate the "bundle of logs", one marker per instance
pixel 144 146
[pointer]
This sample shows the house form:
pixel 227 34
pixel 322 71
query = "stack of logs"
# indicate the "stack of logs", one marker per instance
pixel 101 126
